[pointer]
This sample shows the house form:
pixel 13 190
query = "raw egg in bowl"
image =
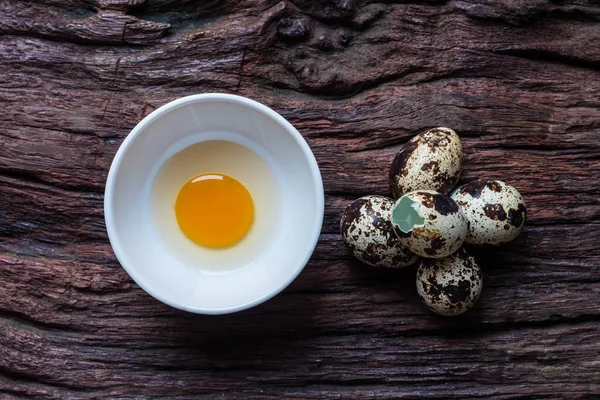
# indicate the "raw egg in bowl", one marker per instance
pixel 213 203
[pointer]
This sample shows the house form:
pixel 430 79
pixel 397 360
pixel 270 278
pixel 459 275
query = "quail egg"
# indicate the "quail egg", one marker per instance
pixel 368 234
pixel 430 161
pixel 449 286
pixel 429 224
pixel 496 211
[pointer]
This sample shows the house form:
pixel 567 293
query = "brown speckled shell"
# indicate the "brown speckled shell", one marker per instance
pixel 366 229
pixel 445 227
pixel 430 161
pixel 496 211
pixel 451 285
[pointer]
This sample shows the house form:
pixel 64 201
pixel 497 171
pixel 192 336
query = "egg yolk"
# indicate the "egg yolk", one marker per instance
pixel 214 210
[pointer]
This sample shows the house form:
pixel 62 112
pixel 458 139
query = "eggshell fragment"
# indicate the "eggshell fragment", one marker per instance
pixel 429 224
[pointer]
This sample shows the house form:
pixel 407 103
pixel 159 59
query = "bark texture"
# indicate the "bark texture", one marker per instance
pixel 519 80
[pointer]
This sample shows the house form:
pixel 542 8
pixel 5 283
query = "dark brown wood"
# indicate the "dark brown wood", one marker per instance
pixel 519 80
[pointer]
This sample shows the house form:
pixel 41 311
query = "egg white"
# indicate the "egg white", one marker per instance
pixel 241 162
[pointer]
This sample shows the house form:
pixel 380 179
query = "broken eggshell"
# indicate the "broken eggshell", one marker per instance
pixel 430 161
pixel 496 211
pixel 451 285
pixel 429 224
pixel 367 231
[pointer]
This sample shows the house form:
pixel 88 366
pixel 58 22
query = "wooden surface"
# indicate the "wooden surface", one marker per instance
pixel 518 79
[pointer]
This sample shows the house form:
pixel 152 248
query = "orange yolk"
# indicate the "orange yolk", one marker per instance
pixel 214 210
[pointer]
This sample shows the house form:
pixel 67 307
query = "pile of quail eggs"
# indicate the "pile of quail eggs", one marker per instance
pixel 428 222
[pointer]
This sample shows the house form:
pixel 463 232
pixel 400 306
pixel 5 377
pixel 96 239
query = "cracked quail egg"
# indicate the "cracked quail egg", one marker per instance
pixel 451 285
pixel 429 224
pixel 430 161
pixel 496 211
pixel 368 233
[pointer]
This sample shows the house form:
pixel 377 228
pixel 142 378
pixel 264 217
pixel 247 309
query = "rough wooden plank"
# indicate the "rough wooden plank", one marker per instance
pixel 518 79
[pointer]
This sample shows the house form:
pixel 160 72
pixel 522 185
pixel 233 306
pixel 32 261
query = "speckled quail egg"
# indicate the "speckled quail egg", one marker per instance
pixel 449 286
pixel 368 234
pixel 495 211
pixel 430 161
pixel 429 224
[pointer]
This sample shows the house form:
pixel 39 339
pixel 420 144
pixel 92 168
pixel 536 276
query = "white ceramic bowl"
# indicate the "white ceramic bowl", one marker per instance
pixel 163 151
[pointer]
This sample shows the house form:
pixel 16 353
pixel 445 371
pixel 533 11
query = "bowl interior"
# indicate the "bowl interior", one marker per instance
pixel 203 134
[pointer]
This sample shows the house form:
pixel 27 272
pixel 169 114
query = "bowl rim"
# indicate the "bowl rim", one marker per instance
pixel 109 194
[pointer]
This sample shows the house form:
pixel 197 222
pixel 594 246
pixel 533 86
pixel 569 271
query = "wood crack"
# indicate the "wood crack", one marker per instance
pixel 545 56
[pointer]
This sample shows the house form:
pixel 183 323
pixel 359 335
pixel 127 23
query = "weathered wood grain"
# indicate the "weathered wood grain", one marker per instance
pixel 518 79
